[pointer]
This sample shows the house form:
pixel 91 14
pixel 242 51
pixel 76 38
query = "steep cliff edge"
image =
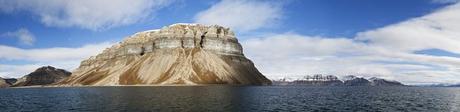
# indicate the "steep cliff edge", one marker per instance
pixel 42 76
pixel 178 54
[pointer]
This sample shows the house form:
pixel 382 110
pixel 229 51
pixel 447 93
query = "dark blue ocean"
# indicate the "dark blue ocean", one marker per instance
pixel 231 99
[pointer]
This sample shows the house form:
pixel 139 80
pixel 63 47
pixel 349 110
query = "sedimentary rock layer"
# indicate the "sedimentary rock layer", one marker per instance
pixel 176 54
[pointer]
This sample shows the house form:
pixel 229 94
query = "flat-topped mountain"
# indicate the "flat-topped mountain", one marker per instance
pixel 178 54
pixel 42 76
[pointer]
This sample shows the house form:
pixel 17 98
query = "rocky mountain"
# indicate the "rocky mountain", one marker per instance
pixel 3 83
pixel 331 80
pixel 356 81
pixel 10 81
pixel 315 80
pixel 374 81
pixel 177 54
pixel 43 76
pixel 382 82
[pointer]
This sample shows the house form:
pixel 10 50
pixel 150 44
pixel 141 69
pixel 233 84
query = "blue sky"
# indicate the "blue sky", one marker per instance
pixel 413 41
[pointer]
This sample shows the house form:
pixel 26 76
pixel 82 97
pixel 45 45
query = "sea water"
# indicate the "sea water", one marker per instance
pixel 230 98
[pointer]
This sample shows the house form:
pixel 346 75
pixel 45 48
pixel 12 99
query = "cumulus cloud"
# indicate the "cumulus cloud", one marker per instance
pixel 294 55
pixel 439 30
pixel 66 58
pixel 87 14
pixel 242 15
pixel 23 35
pixel 15 71
pixel 51 54
pixel 387 52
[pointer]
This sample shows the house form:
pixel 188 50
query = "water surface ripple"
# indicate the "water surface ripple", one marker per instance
pixel 230 98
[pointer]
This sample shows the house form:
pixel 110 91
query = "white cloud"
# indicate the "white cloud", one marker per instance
pixel 439 30
pixel 15 71
pixel 51 54
pixel 87 14
pixel 386 52
pixel 25 36
pixel 242 15
pixel 19 70
pixel 66 58
pixel 445 1
pixel 293 55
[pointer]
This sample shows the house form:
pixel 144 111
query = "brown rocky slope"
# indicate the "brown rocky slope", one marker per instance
pixel 3 83
pixel 42 76
pixel 186 54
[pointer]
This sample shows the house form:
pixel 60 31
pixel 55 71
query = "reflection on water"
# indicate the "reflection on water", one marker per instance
pixel 229 98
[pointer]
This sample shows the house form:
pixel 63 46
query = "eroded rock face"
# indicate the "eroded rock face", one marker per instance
pixel 177 54
pixel 42 76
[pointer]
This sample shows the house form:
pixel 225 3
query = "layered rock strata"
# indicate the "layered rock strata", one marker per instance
pixel 177 54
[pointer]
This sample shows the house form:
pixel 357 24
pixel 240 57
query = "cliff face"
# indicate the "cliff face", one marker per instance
pixel 42 76
pixel 177 54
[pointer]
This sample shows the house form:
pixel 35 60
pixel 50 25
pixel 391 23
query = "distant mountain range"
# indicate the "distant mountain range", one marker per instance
pixel 331 80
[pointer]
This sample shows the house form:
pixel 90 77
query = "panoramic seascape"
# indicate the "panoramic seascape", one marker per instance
pixel 229 56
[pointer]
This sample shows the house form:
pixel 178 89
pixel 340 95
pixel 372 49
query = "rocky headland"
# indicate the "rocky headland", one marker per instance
pixel 179 54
